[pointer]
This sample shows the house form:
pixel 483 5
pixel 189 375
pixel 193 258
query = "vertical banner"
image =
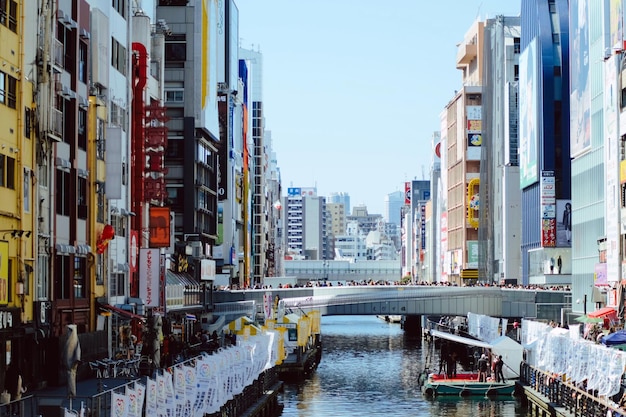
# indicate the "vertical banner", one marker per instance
pixel 4 272
pixel 149 276
pixel 407 193
pixel 548 210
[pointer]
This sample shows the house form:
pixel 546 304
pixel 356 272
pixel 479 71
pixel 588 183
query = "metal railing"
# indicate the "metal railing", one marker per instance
pixel 565 394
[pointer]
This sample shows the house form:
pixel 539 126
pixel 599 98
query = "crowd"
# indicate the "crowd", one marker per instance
pixel 326 283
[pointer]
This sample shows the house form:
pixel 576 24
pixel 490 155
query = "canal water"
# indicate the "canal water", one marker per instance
pixel 370 368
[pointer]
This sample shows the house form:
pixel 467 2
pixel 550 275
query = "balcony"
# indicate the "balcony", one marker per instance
pixel 59 58
pixel 465 54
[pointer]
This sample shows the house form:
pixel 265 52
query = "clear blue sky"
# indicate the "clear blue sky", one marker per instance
pixel 353 89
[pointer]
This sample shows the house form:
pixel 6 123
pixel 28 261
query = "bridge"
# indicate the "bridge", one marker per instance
pixel 412 300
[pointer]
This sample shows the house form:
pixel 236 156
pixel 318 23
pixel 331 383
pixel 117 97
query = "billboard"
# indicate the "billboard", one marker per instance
pixel 580 96
pixel 564 223
pixel 548 210
pixel 149 276
pixel 159 227
pixel 529 115
pixel 205 61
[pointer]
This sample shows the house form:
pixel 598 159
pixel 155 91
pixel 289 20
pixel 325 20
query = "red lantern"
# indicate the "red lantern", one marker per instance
pixel 107 234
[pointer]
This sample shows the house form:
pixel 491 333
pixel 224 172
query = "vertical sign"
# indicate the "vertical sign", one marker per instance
pixel 548 210
pixel 407 193
pixel 149 275
pixel 4 272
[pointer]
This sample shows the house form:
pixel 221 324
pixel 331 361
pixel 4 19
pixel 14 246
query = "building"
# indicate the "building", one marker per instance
pixel 393 207
pixel 340 198
pixel 500 228
pixel 462 131
pixel 544 145
pixel 305 223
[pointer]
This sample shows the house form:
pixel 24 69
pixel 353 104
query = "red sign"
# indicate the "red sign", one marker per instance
pixel 407 193
pixel 548 233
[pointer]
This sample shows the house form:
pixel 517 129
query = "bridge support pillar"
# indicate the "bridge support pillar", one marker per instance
pixel 412 325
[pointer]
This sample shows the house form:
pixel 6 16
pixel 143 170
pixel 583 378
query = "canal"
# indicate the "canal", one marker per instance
pixel 370 368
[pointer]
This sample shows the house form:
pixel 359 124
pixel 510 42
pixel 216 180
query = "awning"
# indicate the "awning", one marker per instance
pixel 460 339
pixel 123 267
pixel 604 312
pixel 64 249
pixel 83 249
pixel 122 312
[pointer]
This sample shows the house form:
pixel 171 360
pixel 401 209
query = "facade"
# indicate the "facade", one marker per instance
pixel 305 224
pixel 367 222
pixel 352 245
pixel 463 137
pixel 499 231
pixel 544 144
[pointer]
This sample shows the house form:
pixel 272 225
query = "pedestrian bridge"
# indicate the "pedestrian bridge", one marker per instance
pixel 400 300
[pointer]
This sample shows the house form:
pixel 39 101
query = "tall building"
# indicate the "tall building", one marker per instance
pixel 499 231
pixel 22 143
pixel 336 216
pixel 462 131
pixel 340 198
pixel 305 224
pixel 544 143
pixel 393 207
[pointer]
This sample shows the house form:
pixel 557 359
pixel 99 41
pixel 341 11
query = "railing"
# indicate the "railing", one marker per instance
pixel 577 401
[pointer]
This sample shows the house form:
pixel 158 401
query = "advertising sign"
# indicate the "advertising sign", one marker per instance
pixel 4 272
pixel 548 209
pixel 149 276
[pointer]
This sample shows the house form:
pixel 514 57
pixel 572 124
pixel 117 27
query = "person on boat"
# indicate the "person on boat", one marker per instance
pixel 499 365
pixel 483 366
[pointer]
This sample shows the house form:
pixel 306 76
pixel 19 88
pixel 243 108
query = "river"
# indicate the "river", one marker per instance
pixel 370 368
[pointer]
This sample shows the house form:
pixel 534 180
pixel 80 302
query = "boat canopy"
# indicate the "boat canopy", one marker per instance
pixel 511 351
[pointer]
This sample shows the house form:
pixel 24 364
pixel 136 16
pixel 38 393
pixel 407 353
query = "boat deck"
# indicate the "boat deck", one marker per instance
pixel 465 384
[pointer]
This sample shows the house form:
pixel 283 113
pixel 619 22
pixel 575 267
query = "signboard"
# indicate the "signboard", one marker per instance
pixel 159 227
pixel 4 272
pixel 548 209
pixel 207 270
pixel 407 193
pixel 149 276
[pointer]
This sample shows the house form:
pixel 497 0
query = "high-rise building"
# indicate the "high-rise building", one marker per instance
pixel 544 140
pixel 499 231
pixel 305 224
pixel 340 198
pixel 393 207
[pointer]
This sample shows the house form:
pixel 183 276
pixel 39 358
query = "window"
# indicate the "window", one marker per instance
pixel 100 139
pixel 82 62
pixel 42 286
pixel 516 45
pixel 81 198
pixel 175 96
pixel 175 49
pixel 82 129
pixel 118 56
pixel 8 90
pixel 100 201
pixel 120 7
pixel 62 277
pixel 7 172
pixel 27 176
pixel 79 276
pixel 8 14
pixel 118 283
pixel 63 192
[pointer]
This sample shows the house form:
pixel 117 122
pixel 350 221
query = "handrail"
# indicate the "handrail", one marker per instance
pixel 566 394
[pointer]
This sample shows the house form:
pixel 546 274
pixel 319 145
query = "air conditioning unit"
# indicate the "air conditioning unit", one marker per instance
pixel 63 163
pixel 196 248
pixel 84 34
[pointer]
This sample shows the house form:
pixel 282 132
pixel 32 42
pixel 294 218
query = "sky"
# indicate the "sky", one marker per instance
pixel 353 90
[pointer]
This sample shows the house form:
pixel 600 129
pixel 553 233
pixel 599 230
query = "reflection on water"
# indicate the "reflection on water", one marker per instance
pixel 370 368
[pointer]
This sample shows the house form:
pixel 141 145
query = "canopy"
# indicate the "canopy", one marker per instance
pixel 587 319
pixel 511 351
pixel 617 338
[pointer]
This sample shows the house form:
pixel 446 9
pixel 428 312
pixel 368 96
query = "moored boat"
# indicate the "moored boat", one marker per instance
pixel 465 384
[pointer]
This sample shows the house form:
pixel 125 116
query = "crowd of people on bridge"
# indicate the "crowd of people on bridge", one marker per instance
pixel 371 282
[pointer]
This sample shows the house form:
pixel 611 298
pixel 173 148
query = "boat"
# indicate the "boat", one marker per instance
pixel 391 319
pixel 466 384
